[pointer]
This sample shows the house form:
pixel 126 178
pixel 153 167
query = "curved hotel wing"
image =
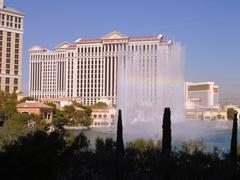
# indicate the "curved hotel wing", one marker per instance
pixel 87 70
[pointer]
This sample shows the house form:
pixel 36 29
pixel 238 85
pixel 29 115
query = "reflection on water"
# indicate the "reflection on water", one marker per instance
pixel 214 133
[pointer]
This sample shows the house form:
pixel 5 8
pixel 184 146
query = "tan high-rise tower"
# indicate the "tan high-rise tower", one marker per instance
pixel 11 40
pixel 1 4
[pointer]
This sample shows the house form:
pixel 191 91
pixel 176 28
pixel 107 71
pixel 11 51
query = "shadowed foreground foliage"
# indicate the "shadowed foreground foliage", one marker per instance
pixel 39 155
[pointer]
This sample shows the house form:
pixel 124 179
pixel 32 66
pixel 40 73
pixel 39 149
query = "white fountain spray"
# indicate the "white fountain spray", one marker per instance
pixel 148 81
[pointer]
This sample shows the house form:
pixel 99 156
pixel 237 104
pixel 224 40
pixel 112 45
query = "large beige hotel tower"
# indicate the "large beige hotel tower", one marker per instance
pixel 87 69
pixel 11 35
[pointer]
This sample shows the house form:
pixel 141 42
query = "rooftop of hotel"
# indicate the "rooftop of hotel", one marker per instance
pixel 111 37
pixel 117 36
pixel 12 10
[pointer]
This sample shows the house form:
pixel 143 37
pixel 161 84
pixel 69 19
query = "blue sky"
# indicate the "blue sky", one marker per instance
pixel 209 30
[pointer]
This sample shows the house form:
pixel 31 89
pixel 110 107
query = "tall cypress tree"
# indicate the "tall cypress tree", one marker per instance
pixel 120 145
pixel 119 148
pixel 233 152
pixel 166 132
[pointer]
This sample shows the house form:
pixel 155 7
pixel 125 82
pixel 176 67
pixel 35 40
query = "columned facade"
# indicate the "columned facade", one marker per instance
pixel 87 70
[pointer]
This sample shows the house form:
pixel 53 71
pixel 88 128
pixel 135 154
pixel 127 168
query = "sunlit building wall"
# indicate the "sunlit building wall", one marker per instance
pixel 11 40
pixel 205 94
pixel 87 70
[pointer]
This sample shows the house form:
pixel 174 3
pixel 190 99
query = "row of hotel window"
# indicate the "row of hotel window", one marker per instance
pixel 99 49
pixel 8 52
pixel 7 88
pixel 7 82
pixel 84 89
pixel 10 21
pixel 117 47
pixel 36 96
pixel 102 116
pixel 47 56
pixel 87 90
pixel 93 90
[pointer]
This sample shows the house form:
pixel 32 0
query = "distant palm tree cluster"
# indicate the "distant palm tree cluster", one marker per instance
pixel 39 155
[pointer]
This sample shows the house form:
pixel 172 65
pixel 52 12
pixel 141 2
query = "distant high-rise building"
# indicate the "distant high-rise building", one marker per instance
pixel 11 40
pixel 87 69
pixel 203 94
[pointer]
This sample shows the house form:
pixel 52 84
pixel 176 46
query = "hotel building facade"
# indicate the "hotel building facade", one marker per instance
pixel 86 71
pixel 11 40
pixel 205 94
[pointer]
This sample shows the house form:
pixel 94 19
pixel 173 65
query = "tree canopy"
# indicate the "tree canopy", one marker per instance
pixel 17 126
pixel 27 98
pixel 8 104
pixel 230 113
pixel 72 117
pixel 99 105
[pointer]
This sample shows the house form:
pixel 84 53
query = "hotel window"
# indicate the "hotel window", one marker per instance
pixel 15 88
pixel 7 88
pixel 15 81
pixel 7 80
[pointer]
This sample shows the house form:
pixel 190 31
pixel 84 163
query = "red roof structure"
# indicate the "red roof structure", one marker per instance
pixel 33 104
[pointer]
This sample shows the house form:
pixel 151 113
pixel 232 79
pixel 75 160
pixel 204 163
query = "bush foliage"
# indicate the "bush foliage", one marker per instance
pixel 38 155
